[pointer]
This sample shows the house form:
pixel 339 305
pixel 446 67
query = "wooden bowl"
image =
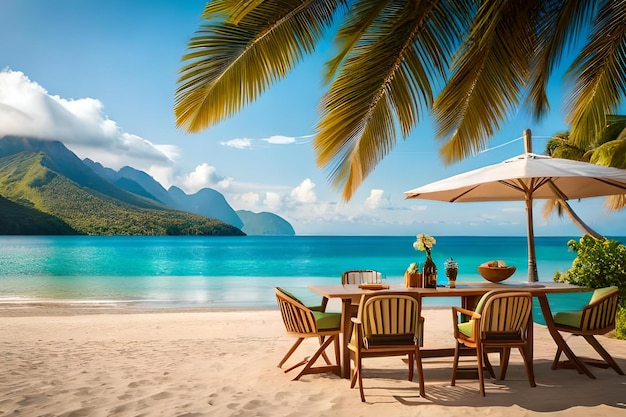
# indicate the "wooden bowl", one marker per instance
pixel 496 274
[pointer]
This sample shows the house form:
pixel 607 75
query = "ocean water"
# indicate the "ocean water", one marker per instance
pixel 237 272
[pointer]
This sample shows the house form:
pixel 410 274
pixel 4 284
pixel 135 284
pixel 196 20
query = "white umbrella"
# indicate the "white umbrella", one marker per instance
pixel 527 177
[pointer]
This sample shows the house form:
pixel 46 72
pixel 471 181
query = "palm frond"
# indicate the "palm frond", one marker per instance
pixel 615 202
pixel 559 24
pixel 386 81
pixel 597 77
pixel 228 65
pixel 490 70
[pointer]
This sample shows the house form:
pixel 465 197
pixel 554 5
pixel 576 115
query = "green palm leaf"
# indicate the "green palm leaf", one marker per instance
pixel 385 82
pixel 488 76
pixel 229 65
pixel 597 76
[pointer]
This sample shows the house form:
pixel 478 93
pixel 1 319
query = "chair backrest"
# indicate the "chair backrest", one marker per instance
pixel 599 314
pixel 359 276
pixel 505 313
pixel 390 319
pixel 298 319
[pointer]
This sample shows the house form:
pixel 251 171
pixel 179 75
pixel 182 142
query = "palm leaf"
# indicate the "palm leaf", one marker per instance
pixel 488 75
pixel 228 65
pixel 597 78
pixel 559 24
pixel 385 81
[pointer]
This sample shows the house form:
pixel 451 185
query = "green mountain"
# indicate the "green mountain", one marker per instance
pixel 44 176
pixel 264 223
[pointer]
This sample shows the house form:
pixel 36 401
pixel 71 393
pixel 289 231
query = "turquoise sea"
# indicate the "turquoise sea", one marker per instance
pixel 237 272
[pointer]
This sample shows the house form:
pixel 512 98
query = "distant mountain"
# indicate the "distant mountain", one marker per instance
pixel 46 177
pixel 206 202
pixel 264 224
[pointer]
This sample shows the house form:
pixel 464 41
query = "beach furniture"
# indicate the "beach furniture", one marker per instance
pixel 502 320
pixel 303 322
pixel 360 276
pixel 596 318
pixel 386 325
pixel 467 292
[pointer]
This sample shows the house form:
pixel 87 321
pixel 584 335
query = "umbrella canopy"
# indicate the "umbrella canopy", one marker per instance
pixel 527 177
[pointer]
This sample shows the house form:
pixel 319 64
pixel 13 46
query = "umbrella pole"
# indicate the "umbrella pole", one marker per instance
pixel 532 263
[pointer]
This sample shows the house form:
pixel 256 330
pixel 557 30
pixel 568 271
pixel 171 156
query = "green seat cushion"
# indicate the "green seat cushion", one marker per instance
pixel 568 318
pixel 601 292
pixel 466 328
pixel 327 321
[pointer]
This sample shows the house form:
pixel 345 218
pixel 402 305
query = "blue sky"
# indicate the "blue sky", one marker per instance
pixel 101 76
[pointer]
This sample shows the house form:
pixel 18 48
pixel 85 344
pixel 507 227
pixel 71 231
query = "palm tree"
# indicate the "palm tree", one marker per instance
pixel 472 62
pixel 608 149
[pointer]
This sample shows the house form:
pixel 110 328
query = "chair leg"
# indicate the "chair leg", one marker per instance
pixel 530 371
pixel 603 353
pixel 411 366
pixel 293 349
pixel 420 372
pixel 308 368
pixel 557 358
pixel 324 353
pixel 487 365
pixel 455 363
pixel 504 362
pixel 479 357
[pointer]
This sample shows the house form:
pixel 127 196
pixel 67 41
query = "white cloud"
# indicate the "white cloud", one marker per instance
pixel 273 201
pixel 304 193
pixel 375 198
pixel 240 143
pixel 280 140
pixel 204 176
pixel 27 109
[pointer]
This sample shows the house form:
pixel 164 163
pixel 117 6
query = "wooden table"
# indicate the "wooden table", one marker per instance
pixel 350 294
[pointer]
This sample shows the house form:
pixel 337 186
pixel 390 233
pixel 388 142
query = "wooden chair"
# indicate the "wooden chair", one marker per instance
pixel 359 276
pixel 302 323
pixel 386 325
pixel 502 320
pixel 596 318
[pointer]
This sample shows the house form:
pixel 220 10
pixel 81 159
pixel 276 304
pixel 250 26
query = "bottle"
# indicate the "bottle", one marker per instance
pixel 429 273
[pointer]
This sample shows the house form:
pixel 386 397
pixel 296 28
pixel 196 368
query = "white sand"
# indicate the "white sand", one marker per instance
pixel 59 360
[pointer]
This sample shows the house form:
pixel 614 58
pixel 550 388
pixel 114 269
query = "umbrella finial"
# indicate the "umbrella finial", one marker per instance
pixel 528 143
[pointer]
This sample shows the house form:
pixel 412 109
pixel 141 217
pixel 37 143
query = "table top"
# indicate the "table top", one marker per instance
pixel 461 290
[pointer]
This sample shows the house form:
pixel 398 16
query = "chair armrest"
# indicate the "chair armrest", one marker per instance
pixel 459 310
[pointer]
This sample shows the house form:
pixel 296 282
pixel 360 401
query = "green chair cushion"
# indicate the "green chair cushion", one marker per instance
pixel 601 292
pixel 466 328
pixel 568 318
pixel 327 321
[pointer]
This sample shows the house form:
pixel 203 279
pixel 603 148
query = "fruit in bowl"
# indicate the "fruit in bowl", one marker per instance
pixel 495 271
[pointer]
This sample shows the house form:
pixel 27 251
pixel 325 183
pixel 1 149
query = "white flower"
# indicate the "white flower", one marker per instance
pixel 424 242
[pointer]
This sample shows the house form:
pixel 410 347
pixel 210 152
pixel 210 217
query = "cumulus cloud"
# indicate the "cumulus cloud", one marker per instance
pixel 304 193
pixel 240 143
pixel 375 198
pixel 27 109
pixel 273 201
pixel 204 176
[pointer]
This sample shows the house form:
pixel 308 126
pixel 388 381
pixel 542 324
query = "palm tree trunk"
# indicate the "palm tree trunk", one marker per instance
pixel 578 221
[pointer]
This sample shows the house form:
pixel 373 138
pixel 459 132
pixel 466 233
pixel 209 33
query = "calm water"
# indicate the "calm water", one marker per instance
pixel 237 271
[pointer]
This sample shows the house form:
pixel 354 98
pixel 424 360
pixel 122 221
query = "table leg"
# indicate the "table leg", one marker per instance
pixel 558 339
pixel 346 328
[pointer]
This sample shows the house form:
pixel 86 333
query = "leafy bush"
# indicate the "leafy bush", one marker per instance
pixel 599 263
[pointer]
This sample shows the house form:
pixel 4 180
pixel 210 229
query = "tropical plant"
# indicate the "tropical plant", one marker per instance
pixel 392 57
pixel 599 263
pixel 607 149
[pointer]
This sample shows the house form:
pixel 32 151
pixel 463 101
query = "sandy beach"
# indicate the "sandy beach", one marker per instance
pixel 83 360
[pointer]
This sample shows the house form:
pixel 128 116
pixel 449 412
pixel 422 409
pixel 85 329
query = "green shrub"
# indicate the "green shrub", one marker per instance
pixel 599 263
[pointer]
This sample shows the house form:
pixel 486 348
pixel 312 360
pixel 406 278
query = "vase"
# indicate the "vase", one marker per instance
pixel 429 273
